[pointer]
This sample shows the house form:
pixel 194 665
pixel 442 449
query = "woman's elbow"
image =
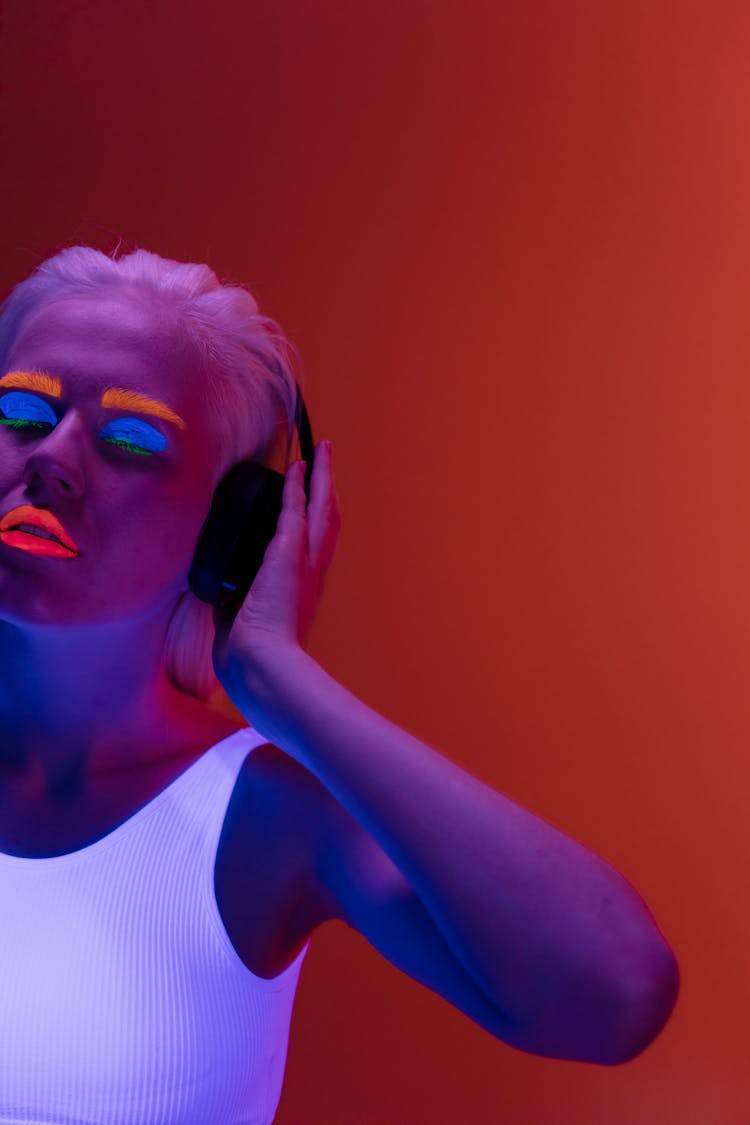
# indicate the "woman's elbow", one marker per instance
pixel 648 1007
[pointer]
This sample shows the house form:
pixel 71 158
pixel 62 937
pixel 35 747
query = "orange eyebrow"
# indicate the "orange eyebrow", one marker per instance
pixel 112 397
pixel 141 404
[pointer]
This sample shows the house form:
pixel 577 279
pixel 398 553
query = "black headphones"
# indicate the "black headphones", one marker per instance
pixel 241 523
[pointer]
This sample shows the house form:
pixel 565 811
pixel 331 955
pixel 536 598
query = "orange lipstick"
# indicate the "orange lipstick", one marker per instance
pixel 36 545
pixel 61 547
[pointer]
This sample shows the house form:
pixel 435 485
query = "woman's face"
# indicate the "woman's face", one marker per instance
pixel 131 488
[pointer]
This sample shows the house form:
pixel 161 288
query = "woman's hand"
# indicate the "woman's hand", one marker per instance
pixel 281 605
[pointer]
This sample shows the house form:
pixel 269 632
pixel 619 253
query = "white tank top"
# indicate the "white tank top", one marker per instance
pixel 122 1000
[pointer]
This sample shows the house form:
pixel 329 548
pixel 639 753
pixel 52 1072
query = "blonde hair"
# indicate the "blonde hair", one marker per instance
pixel 249 371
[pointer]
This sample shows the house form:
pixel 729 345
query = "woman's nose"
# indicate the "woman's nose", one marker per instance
pixel 57 458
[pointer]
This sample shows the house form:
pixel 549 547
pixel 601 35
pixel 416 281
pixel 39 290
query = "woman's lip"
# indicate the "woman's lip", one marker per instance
pixel 39 517
pixel 36 545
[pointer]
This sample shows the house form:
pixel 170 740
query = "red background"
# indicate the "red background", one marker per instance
pixel 512 243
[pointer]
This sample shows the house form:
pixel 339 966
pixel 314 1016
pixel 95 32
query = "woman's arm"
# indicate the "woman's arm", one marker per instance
pixel 553 936
pixel 560 943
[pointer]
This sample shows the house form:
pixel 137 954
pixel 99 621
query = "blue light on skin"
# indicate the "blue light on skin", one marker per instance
pixel 27 413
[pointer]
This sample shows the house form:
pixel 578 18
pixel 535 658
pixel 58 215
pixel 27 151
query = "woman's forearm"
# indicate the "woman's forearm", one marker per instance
pixel 537 919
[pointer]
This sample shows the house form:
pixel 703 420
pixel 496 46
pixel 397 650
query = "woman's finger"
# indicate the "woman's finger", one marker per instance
pixel 293 497
pixel 323 511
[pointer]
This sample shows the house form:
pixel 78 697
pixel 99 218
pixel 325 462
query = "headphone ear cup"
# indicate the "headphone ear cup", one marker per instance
pixel 241 523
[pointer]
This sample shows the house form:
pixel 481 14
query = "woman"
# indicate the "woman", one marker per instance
pixel 164 866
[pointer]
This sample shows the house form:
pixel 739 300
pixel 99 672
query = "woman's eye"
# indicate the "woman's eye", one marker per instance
pixel 128 446
pixel 21 409
pixel 134 436
pixel 25 413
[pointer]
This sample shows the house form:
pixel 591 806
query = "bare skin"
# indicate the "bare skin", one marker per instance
pixel 91 727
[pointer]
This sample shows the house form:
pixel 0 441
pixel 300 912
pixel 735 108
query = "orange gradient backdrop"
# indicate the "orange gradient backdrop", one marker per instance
pixel 512 244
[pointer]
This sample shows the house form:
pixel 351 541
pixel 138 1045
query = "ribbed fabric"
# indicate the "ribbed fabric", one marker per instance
pixel 122 1000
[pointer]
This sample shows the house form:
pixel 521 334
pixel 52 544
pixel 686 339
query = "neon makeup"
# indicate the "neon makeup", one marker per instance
pixel 36 545
pixel 17 406
pixel 26 516
pixel 137 436
pixel 22 411
pixel 117 398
